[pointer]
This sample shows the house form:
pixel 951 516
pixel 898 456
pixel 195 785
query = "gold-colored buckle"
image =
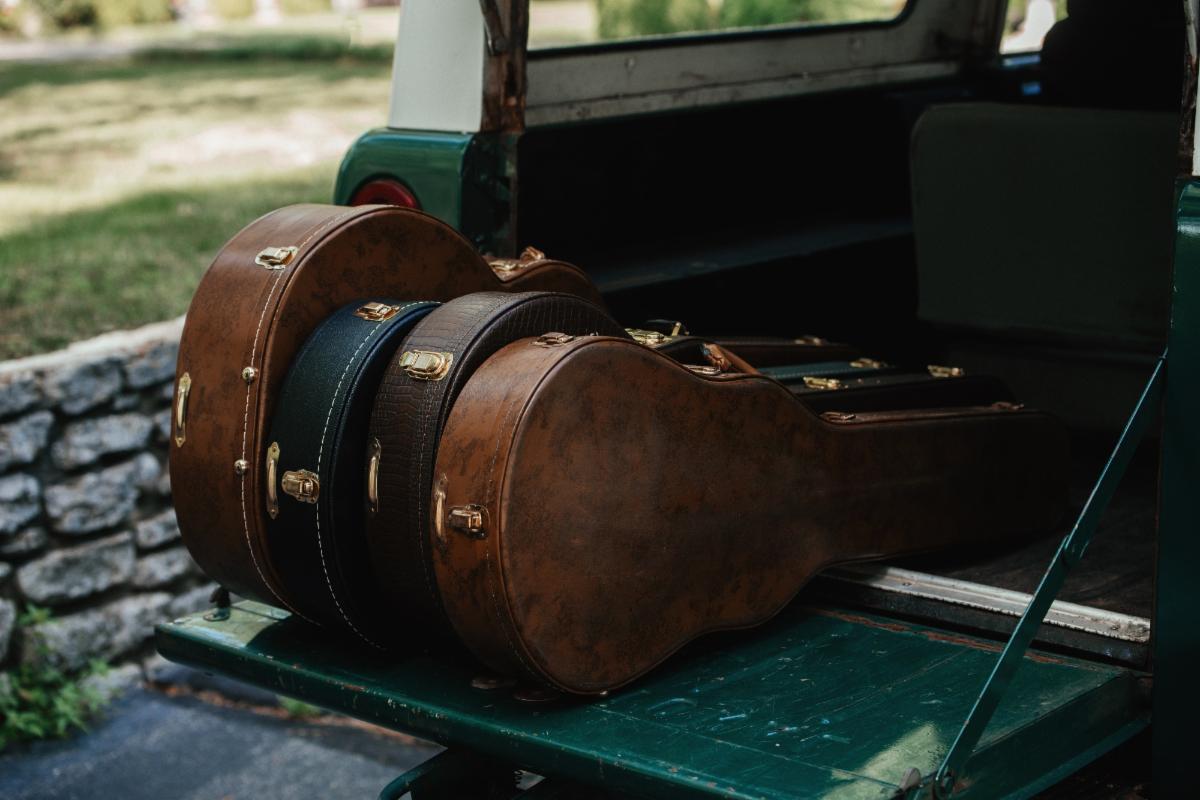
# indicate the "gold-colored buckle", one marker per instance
pixel 648 338
pixel 301 484
pixel 825 384
pixel 867 363
pixel 470 519
pixel 275 257
pixel 553 339
pixel 528 256
pixel 376 312
pixel 938 371
pixel 426 365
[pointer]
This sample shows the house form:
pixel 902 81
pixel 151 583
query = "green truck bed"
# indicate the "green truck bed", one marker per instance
pixel 819 703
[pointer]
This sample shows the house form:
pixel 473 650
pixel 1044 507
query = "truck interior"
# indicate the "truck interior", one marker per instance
pixel 1013 219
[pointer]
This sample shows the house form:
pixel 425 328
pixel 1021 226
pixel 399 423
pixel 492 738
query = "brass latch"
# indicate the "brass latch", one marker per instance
pixel 868 363
pixel 826 384
pixel 181 408
pixel 706 371
pixel 426 365
pixel 945 372
pixel 302 484
pixel 376 312
pixel 275 257
pixel 470 519
pixel 528 256
pixel 553 339
pixel 648 338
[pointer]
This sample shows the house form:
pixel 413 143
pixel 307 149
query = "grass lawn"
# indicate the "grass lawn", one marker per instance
pixel 120 181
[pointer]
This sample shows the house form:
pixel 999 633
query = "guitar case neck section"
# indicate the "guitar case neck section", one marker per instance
pixel 419 388
pixel 318 494
pixel 600 505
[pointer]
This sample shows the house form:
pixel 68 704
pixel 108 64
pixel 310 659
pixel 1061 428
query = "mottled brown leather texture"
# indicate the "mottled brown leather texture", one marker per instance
pixel 407 421
pixel 245 315
pixel 630 505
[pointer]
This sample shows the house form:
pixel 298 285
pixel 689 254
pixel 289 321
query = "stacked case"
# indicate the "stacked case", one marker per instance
pixel 397 440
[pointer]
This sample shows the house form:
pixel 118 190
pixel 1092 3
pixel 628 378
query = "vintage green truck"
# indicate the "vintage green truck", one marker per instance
pixel 905 184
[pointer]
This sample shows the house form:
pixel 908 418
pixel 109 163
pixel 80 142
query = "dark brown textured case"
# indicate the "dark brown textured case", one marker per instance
pixel 432 365
pixel 624 504
pixel 264 294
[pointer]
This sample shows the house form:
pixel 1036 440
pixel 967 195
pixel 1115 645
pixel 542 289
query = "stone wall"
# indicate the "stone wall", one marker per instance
pixel 86 524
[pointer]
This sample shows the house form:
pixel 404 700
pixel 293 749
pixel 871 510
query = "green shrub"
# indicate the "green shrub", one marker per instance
pixel 300 7
pixel 621 19
pixel 40 701
pixel 68 13
pixel 113 13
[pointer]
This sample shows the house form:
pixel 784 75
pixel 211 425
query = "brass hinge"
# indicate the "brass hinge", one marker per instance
pixel 470 519
pixel 553 339
pixel 275 257
pixel 376 312
pixel 301 484
pixel 938 371
pixel 426 365
pixel 814 382
pixel 528 256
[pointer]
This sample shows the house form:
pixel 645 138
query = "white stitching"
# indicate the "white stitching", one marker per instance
pixel 246 417
pixel 320 453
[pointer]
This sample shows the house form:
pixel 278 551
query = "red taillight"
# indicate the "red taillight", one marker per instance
pixel 385 191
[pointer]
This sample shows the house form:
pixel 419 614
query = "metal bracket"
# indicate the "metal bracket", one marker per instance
pixel 1070 551
pixel 497 39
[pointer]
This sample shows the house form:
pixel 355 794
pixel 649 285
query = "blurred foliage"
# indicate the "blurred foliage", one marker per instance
pixel 232 9
pixel 68 13
pixel 296 8
pixel 620 19
pixel 268 47
pixel 1017 9
pixel 40 701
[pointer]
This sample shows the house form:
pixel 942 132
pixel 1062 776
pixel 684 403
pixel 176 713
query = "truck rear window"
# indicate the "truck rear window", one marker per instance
pixel 559 23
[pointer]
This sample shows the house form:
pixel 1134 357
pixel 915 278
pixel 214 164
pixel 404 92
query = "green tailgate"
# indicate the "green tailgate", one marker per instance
pixel 819 703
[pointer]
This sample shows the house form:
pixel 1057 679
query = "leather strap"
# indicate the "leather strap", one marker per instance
pixel 410 409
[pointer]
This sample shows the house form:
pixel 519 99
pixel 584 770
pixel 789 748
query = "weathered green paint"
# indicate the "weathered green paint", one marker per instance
pixel 1176 632
pixel 460 178
pixel 1072 548
pixel 817 703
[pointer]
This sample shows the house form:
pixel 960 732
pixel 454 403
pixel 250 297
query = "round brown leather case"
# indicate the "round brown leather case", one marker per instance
pixel 265 293
pixel 414 398
pixel 598 505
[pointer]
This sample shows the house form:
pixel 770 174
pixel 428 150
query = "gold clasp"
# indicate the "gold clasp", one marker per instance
pixel 945 372
pixel 825 384
pixel 275 257
pixel 470 519
pixel 181 408
pixel 376 312
pixel 868 363
pixel 706 371
pixel 528 256
pixel 272 466
pixel 648 338
pixel 426 365
pixel 553 339
pixel 302 484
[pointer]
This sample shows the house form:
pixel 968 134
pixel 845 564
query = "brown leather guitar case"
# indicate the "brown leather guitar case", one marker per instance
pixel 598 505
pixel 262 297
pixel 418 388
